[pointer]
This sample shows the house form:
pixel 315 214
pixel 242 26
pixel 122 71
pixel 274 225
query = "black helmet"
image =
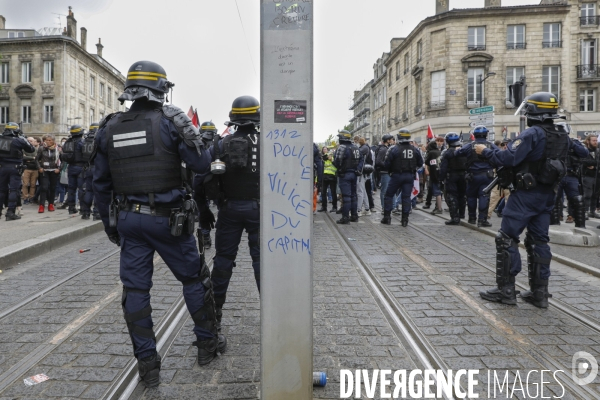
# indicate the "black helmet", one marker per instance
pixel 386 137
pixel 403 135
pixel 453 139
pixel 148 74
pixel 480 131
pixel 12 128
pixel 94 127
pixel 76 130
pixel 541 106
pixel 344 135
pixel 208 126
pixel 245 110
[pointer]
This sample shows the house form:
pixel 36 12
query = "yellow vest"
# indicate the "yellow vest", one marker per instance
pixel 329 168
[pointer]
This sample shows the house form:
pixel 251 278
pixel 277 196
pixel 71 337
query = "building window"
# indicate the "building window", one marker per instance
pixel 48 71
pixel 390 77
pixel 418 85
pixel 82 113
pixel 82 80
pixel 515 37
pixel 109 96
pixel 48 114
pixel 551 35
pixel 473 90
pixel 406 100
pixel 406 64
pixel 438 89
pixel 588 14
pixel 419 51
pixel 26 114
pixel 476 38
pixel 513 74
pixel 587 98
pixel 92 86
pixel 551 80
pixel 92 116
pixel 588 53
pixel 101 91
pixel 397 70
pixel 26 72
pixel 101 117
pixel 397 106
pixel 4 69
pixel 4 114
pixel 12 35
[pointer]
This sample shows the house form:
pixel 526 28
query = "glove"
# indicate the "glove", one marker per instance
pixel 115 238
pixel 207 218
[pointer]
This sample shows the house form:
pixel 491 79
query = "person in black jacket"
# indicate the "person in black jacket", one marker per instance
pixel 384 175
pixel 432 170
pixel 47 163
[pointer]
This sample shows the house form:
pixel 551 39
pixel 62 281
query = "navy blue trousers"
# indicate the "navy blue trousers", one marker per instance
pixel 475 194
pixel 235 216
pixel 399 181
pixel 141 236
pixel 10 185
pixel 347 183
pixel 456 186
pixel 570 187
pixel 88 191
pixel 76 180
pixel 529 209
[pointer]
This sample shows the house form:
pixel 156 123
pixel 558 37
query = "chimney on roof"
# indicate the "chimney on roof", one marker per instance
pixel 64 32
pixel 441 6
pixel 84 38
pixel 99 48
pixel 493 3
pixel 71 25
pixel 2 22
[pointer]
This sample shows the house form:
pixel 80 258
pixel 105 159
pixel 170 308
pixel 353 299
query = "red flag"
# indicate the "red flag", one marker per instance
pixel 429 133
pixel 226 132
pixel 190 112
pixel 195 119
pixel 472 137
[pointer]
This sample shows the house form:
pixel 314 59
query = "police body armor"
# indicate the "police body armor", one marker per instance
pixel 242 157
pixel 88 149
pixel 138 160
pixel 406 161
pixel 573 162
pixel 70 152
pixel 551 167
pixel 6 148
pixel 349 163
pixel 474 157
pixel 457 164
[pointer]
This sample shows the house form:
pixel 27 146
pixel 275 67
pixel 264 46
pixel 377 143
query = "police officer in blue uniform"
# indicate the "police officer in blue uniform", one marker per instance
pixel 208 130
pixel 12 146
pixel 72 154
pixel 570 186
pixel 453 170
pixel 348 162
pixel 239 198
pixel 402 160
pixel 138 163
pixel 534 163
pixel 86 154
pixel 480 174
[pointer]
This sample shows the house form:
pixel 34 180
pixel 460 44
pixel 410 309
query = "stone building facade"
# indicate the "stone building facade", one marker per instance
pixel 361 106
pixel 434 73
pixel 50 81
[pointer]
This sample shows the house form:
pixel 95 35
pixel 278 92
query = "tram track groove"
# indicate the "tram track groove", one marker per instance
pixel 410 335
pixel 523 343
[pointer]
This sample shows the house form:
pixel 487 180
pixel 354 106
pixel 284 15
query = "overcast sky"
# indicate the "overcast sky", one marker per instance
pixel 202 45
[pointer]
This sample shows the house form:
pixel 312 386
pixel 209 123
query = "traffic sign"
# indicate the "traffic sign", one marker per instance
pixel 486 122
pixel 481 110
pixel 482 116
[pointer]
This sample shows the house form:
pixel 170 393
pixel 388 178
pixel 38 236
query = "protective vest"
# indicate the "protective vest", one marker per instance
pixel 473 157
pixel 551 167
pixel 6 148
pixel 71 153
pixel 87 149
pixel 457 164
pixel 405 160
pixel 349 163
pixel 573 162
pixel 330 169
pixel 241 155
pixel 138 160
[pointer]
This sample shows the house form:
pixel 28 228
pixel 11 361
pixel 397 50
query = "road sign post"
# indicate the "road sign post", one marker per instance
pixel 286 173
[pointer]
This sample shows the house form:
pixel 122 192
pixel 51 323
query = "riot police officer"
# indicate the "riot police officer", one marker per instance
pixel 480 174
pixel 208 130
pixel 239 196
pixel 453 170
pixel 402 161
pixel 348 162
pixel 88 172
pixel 72 154
pixel 384 176
pixel 12 146
pixel 139 156
pixel 534 163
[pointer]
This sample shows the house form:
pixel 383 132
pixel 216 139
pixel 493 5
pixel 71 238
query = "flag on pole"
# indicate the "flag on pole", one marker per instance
pixel 416 187
pixel 472 137
pixel 227 131
pixel 429 133
pixel 195 119
pixel 190 112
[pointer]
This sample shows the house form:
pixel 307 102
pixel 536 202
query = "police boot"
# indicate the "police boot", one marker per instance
pixel 453 208
pixel 483 223
pixel 207 350
pixel 538 294
pixel 85 215
pixel 472 220
pixel 579 211
pixel 387 219
pixel 72 210
pixel 505 294
pixel 96 217
pixel 149 370
pixel 343 221
pixel 404 220
pixel 538 288
pixel 453 221
pixel 207 240
pixel 11 216
pixel 354 218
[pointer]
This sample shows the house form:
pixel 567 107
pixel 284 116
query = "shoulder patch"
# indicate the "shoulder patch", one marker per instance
pixel 516 143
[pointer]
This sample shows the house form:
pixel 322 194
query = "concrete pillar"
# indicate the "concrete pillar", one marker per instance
pixel 441 6
pixel 84 38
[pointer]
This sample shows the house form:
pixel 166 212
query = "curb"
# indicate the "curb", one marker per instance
pixel 31 248
pixel 561 259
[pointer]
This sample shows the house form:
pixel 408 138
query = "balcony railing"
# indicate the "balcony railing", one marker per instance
pixel 516 46
pixel 472 47
pixel 588 71
pixel 590 20
pixel 552 44
pixel 436 105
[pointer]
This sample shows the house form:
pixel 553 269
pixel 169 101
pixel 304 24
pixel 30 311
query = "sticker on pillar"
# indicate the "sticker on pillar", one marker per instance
pixel 290 111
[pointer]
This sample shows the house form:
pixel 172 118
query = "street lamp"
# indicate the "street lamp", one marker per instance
pixel 489 74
